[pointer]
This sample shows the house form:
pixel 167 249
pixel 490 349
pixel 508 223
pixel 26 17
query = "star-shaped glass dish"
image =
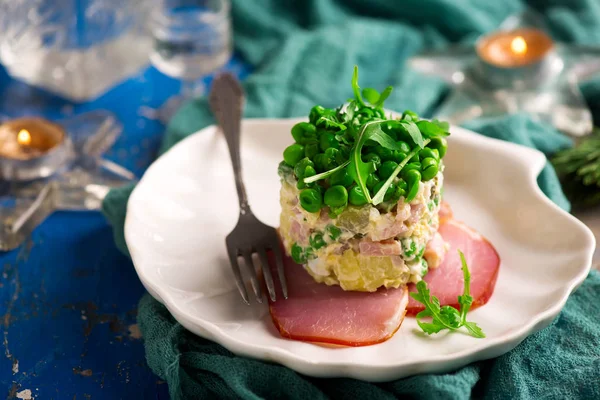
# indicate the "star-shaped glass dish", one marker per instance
pixel 75 177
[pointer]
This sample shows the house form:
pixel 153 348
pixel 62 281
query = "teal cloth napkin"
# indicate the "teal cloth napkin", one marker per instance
pixel 303 53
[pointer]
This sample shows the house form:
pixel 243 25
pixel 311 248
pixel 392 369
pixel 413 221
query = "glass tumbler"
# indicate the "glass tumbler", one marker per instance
pixel 192 39
pixel 77 49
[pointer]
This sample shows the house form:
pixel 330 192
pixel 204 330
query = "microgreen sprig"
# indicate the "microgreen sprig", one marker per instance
pixel 447 317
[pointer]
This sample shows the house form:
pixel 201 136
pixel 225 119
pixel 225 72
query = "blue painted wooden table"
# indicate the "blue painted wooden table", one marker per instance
pixel 68 297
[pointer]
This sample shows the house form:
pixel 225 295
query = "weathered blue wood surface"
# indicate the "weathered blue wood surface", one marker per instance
pixel 68 297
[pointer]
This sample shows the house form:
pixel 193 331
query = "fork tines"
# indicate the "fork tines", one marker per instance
pixel 251 267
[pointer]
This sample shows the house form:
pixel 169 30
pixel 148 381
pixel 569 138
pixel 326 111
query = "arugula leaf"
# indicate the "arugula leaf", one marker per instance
pixel 443 317
pixel 383 97
pixel 360 170
pixel 329 122
pixel 378 198
pixel 432 129
pixel 413 130
pixel 326 174
pixel 371 95
pixel 356 88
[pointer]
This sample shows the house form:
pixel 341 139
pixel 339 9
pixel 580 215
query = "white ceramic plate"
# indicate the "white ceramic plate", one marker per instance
pixel 185 205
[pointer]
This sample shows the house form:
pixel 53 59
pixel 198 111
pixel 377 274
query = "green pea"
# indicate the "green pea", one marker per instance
pixel 300 185
pixel 303 130
pixel 301 167
pixel 387 168
pixel 357 197
pixel 372 180
pixel 413 178
pixel 414 159
pixel 298 254
pixel 383 153
pixel 321 162
pixel 409 247
pixel 429 167
pixel 409 167
pixel 336 196
pixel 341 178
pixel 292 154
pixel 315 113
pixel 402 184
pixel 311 200
pixel 328 140
pixel 440 144
pixel 374 158
pixel 388 193
pixel 316 240
pixel 334 232
pixel 311 150
pixel 332 154
pixel 429 153
pixel 334 212
pixel 404 147
pixel 398 193
pixel 398 156
pixel 410 116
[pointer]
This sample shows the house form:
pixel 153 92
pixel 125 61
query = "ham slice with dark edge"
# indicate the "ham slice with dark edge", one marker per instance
pixel 446 281
pixel 315 312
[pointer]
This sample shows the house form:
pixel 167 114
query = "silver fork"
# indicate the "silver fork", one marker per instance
pixel 250 236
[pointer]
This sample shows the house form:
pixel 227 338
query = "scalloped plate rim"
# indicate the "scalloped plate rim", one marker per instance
pixel 489 348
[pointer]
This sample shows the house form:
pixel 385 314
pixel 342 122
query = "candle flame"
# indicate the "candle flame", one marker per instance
pixel 518 45
pixel 24 137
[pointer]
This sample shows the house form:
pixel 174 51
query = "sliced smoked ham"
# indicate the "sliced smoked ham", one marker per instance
pixel 446 281
pixel 315 312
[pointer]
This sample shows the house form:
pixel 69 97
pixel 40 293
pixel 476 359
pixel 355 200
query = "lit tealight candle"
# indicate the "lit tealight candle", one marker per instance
pixel 514 49
pixel 32 148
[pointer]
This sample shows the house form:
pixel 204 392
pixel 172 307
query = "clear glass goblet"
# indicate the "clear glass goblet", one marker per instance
pixel 192 39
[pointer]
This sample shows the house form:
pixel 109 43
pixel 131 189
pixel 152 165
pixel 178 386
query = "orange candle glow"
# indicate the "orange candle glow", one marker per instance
pixel 28 138
pixel 512 49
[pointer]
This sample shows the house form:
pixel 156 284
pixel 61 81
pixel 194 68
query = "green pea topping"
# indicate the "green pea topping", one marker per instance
pixel 300 167
pixel 410 116
pixel 398 192
pixel 425 268
pixel 327 140
pixel 374 158
pixel 404 147
pixel 315 113
pixel 409 247
pixel 311 200
pixel 298 254
pixel 398 156
pixel 410 167
pixel 332 154
pixel 387 168
pixel 440 144
pixel 430 168
pixel 357 197
pixel 292 154
pixel 334 212
pixel 311 150
pixel 372 180
pixel 341 177
pixel 321 162
pixel 429 153
pixel 383 153
pixel 303 131
pixel 388 193
pixel 413 178
pixel 316 240
pixel 336 196
pixel 334 232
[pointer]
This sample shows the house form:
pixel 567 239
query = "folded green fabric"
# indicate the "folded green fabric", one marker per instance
pixel 303 53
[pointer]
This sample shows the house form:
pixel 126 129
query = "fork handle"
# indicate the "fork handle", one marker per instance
pixel 226 102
